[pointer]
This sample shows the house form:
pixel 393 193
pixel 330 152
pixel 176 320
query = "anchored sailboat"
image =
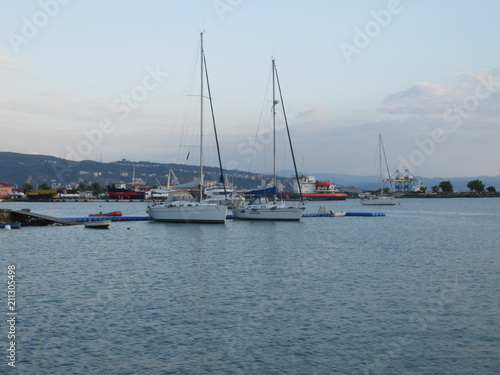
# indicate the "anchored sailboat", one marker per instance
pixel 181 207
pixel 260 208
pixel 381 199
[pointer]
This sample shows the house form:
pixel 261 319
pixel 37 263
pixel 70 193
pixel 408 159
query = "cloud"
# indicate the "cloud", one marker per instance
pixel 421 99
pixel 466 111
pixel 10 66
pixel 9 63
pixel 312 113
pixel 434 99
pixel 55 108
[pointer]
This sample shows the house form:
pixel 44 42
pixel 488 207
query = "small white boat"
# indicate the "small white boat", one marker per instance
pixel 378 200
pixel 10 225
pixel 98 224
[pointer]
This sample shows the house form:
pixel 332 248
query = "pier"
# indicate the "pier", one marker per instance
pixel 28 218
pixel 229 216
pixel 101 218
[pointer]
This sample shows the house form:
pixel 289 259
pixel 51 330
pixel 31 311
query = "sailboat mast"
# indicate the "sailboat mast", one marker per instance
pixel 201 115
pixel 274 133
pixel 380 161
pixel 289 137
pixel 386 165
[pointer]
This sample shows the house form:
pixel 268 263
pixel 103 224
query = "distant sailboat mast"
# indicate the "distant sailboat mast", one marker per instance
pixel 386 164
pixel 380 163
pixel 274 135
pixel 380 152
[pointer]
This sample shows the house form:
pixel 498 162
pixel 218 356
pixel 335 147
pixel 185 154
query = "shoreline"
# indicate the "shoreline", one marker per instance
pixel 458 195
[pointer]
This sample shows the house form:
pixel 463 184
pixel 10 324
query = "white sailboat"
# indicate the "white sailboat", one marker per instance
pixel 259 208
pixel 381 199
pixel 181 207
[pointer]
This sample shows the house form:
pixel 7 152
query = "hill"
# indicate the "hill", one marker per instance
pixel 17 168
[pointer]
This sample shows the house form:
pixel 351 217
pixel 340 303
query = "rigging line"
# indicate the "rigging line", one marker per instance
pixel 215 128
pixel 386 165
pixel 289 138
pixel 256 138
pixel 184 108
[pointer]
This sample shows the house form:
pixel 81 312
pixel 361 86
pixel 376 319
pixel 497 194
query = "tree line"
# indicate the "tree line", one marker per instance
pixel 477 186
pixel 445 187
pixel 94 187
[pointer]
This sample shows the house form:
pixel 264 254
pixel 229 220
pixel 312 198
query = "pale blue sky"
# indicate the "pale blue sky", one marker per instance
pixel 424 73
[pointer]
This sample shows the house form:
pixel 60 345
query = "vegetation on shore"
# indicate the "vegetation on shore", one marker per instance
pixel 475 186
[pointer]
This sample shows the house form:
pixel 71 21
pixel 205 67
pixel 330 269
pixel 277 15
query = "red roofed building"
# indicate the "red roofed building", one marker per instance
pixel 5 190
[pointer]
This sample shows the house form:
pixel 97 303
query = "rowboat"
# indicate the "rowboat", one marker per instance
pixel 114 213
pixel 101 224
pixel 10 225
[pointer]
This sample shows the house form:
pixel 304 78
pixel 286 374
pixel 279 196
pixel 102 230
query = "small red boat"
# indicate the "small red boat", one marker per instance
pixel 114 213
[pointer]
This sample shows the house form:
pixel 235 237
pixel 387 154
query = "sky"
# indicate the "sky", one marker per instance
pixel 117 79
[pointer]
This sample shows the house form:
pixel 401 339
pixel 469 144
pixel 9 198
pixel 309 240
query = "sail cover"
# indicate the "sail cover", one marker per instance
pixel 266 191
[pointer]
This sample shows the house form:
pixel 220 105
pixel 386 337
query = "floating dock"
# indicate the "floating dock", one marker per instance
pixel 364 214
pixel 28 218
pixel 112 218
pixel 230 216
pixel 342 214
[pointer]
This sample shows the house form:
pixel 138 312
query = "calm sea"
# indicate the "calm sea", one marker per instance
pixel 414 292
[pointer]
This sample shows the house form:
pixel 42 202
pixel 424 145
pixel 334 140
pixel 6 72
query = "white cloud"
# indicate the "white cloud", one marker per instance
pixel 311 113
pixel 433 99
pixel 9 63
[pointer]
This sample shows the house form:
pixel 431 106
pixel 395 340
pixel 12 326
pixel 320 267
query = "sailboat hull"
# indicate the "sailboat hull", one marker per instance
pixel 378 201
pixel 268 213
pixel 188 213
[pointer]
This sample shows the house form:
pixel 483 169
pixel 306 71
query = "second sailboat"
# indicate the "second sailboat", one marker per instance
pixel 260 208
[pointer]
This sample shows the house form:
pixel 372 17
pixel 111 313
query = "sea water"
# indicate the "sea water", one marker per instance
pixel 414 292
